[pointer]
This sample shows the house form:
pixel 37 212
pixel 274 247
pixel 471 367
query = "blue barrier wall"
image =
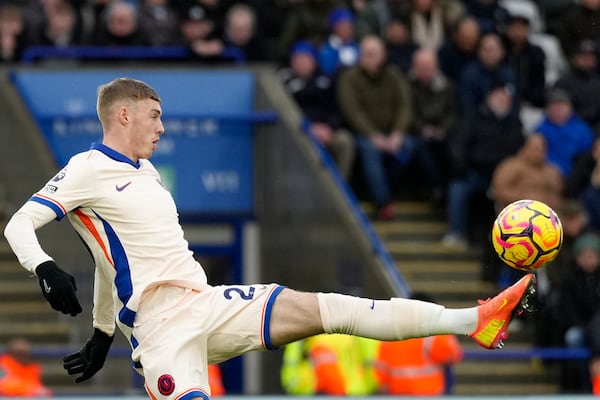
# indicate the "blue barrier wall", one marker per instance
pixel 206 155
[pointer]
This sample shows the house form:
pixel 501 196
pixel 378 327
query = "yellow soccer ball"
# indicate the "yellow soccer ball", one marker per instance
pixel 527 234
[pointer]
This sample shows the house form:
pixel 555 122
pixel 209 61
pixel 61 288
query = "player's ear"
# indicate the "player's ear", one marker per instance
pixel 123 115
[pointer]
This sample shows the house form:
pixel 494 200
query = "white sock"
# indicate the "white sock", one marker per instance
pixel 393 319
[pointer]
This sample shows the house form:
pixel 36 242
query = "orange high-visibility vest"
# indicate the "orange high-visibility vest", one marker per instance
pixel 215 380
pixel 416 366
pixel 596 385
pixel 17 379
pixel 341 364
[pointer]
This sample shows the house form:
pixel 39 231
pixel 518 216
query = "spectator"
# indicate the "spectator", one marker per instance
pixel 314 93
pixel 431 20
pixel 582 84
pixel 580 23
pixel 368 17
pixel 483 139
pixel 159 22
pixel 574 221
pixel 460 49
pixel 62 20
pixel 488 69
pixel 399 44
pixel 579 178
pixel 119 26
pixel 490 15
pixel 340 50
pixel 20 374
pixel 306 20
pixel 375 101
pixel 60 27
pixel 239 41
pixel 215 380
pixel 579 303
pixel 417 366
pixel 435 106
pixel 591 199
pixel 330 364
pixel 526 175
pixel 527 60
pixel 214 10
pixel 553 13
pixel 567 135
pixel 241 34
pixel 12 38
pixel 196 31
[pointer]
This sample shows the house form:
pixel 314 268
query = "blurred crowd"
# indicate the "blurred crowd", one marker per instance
pixel 468 104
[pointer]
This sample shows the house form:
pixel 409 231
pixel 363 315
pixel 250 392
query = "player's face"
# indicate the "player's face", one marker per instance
pixel 146 128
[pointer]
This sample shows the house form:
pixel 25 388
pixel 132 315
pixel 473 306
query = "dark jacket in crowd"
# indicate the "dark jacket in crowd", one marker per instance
pixel 490 15
pixel 483 140
pixel 579 296
pixel 453 61
pixel 579 177
pixel 434 104
pixel 529 67
pixel 315 96
pixel 578 24
pixel 380 103
pixel 477 80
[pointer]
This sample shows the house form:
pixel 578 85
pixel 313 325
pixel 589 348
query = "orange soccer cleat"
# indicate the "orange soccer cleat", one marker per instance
pixel 494 315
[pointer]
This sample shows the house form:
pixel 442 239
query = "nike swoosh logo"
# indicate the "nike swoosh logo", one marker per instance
pixel 372 304
pixel 504 302
pixel 47 288
pixel 121 188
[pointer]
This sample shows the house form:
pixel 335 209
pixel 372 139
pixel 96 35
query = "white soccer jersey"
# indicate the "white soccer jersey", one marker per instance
pixel 130 224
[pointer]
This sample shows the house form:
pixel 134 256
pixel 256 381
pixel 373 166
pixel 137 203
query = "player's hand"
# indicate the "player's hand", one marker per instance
pixel 90 359
pixel 58 287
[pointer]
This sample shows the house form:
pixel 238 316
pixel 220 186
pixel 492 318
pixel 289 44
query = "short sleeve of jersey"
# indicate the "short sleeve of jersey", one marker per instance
pixel 70 188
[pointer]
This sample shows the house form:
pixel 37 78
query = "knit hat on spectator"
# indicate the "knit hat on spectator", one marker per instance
pixel 303 47
pixel 587 241
pixel 558 96
pixel 501 84
pixel 193 13
pixel 586 46
pixel 340 15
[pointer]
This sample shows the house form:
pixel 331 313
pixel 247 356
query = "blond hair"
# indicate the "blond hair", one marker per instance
pixel 122 89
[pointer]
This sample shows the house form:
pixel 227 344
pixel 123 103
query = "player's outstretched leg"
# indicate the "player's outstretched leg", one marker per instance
pixel 495 314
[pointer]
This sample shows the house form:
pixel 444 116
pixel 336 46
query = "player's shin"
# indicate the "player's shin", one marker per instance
pixel 393 319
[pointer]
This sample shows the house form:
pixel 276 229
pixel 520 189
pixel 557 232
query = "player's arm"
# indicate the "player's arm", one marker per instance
pixel 72 187
pixel 58 287
pixel 90 359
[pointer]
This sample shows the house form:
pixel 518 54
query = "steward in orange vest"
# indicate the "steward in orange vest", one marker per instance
pixel 416 366
pixel 19 374
pixel 215 380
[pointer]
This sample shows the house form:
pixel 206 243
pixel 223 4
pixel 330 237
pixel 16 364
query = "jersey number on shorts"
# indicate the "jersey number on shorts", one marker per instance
pixel 244 296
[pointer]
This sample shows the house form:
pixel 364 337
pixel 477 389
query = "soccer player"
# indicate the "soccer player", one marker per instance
pixel 149 284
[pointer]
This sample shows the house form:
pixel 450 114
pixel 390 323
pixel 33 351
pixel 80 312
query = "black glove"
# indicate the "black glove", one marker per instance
pixel 58 287
pixel 90 359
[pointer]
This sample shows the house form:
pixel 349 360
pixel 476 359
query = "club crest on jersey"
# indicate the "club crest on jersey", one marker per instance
pixel 60 175
pixel 166 384
pixel 50 189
